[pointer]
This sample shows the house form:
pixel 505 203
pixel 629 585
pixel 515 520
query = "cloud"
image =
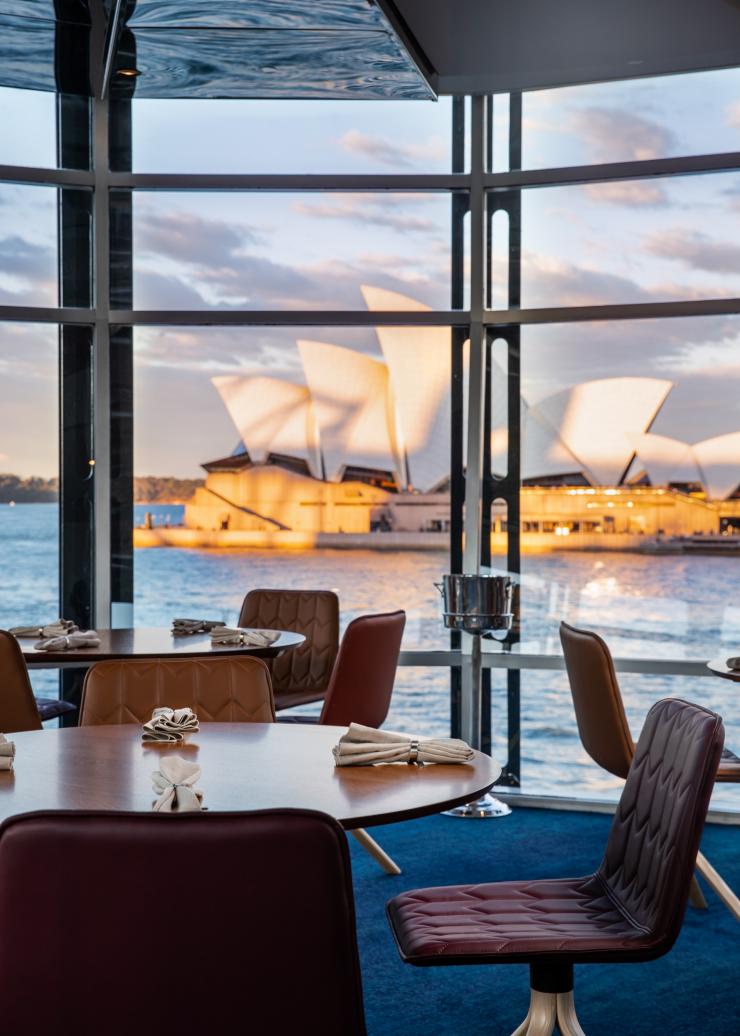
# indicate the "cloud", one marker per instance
pixel 28 272
pixel 190 238
pixel 206 264
pixel 732 115
pixel 551 282
pixel 385 152
pixel 696 250
pixel 631 193
pixel 616 135
pixel 373 213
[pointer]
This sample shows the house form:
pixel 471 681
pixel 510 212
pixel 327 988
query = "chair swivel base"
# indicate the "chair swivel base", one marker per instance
pixel 546 1010
pixel 483 808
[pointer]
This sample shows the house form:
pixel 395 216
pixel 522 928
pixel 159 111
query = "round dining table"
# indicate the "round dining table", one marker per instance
pixel 720 667
pixel 244 766
pixel 148 642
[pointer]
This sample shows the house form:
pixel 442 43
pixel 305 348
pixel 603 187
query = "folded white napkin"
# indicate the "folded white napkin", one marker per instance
pixel 7 753
pixel 173 782
pixel 733 663
pixel 363 746
pixel 189 627
pixel 169 725
pixel 250 638
pixel 81 639
pixel 59 628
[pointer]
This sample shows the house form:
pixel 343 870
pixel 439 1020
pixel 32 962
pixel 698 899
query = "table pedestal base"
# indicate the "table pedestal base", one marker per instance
pixel 483 808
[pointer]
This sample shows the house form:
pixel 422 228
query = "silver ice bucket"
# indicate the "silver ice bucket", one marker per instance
pixel 476 603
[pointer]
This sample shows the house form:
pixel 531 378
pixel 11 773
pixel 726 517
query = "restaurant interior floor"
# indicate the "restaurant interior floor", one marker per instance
pixel 691 990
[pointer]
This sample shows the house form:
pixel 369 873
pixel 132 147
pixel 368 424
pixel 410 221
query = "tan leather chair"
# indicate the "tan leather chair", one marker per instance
pixel 229 689
pixel 301 675
pixel 605 732
pixel 17 704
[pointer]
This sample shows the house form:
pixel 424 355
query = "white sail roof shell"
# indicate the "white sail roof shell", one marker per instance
pixel 719 462
pixel 353 408
pixel 666 460
pixel 596 422
pixel 419 365
pixel 272 416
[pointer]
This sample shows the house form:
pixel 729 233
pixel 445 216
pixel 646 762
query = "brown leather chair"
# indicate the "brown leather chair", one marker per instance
pixel 302 674
pixel 226 689
pixel 167 935
pixel 360 689
pixel 18 709
pixel 629 910
pixel 362 679
pixel 605 733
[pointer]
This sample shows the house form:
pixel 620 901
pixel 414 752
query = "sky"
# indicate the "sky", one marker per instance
pixel 638 241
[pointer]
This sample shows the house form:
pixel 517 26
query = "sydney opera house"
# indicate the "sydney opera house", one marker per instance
pixel 361 446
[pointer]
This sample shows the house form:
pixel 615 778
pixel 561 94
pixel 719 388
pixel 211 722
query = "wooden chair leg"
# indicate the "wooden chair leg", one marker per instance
pixel 718 885
pixel 696 896
pixel 567 1019
pixel 371 846
pixel 541 1017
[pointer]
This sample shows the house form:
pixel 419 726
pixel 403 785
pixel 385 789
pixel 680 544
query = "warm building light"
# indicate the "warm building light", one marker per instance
pixel 128 73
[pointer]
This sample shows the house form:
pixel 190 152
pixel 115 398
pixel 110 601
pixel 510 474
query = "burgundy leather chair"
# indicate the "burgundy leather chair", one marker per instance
pixel 606 736
pixel 362 679
pixel 19 710
pixel 360 690
pixel 629 910
pixel 148 926
pixel 302 674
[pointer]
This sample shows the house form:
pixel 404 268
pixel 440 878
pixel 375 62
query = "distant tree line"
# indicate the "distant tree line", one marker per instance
pixel 148 489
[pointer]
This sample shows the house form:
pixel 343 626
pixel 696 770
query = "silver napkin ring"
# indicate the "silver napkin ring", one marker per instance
pixel 413 752
pixel 66 641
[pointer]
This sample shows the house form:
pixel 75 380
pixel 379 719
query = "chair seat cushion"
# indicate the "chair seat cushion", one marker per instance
pixel 52 708
pixel 287 701
pixel 513 922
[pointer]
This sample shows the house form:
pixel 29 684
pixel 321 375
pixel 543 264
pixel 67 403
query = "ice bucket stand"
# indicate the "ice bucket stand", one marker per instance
pixel 478 605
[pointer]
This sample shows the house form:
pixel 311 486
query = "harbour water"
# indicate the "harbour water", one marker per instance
pixel 671 607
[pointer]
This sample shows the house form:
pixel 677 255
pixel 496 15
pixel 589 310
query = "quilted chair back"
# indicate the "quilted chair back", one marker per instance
pixel 226 689
pixel 602 722
pixel 17 705
pixel 654 838
pixel 362 682
pixel 190 924
pixel 303 672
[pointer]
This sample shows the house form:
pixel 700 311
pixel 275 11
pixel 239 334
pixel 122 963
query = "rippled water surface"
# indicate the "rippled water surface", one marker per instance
pixel 646 607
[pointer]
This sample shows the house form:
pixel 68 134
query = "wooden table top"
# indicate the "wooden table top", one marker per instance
pixel 149 642
pixel 244 766
pixel 720 668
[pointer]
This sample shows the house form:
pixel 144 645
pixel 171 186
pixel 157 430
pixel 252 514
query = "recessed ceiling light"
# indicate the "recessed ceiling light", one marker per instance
pixel 129 73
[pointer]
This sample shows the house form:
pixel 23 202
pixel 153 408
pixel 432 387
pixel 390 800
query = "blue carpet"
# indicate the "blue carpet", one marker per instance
pixel 693 990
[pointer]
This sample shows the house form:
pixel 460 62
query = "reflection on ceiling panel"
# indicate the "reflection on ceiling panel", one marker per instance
pixel 267 14
pixel 274 63
pixel 47 10
pixel 27 53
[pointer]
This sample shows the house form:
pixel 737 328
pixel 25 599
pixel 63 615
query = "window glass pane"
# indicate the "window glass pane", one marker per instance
pixel 27 127
pixel 260 461
pixel 233 136
pixel 29 480
pixel 553 759
pixel 28 246
pixel 288 251
pixel 631 466
pixel 692 114
pixel 636 241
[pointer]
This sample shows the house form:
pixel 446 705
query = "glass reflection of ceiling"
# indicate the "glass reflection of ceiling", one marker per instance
pixel 316 49
pixel 321 49
pixel 262 14
pixel 47 10
pixel 270 63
